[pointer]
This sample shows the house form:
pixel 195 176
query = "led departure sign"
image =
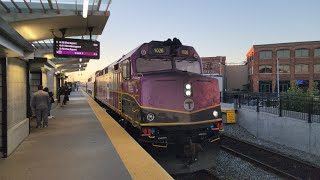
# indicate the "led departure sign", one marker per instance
pixel 76 48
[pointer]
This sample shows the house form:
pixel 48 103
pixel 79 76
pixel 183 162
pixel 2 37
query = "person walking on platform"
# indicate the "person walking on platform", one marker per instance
pixel 39 103
pixel 51 101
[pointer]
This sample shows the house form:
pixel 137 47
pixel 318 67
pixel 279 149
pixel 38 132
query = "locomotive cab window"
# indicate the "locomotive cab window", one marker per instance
pixel 153 65
pixel 126 70
pixel 188 65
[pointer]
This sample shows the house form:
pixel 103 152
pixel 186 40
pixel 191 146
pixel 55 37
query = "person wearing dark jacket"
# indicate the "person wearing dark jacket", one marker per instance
pixel 51 101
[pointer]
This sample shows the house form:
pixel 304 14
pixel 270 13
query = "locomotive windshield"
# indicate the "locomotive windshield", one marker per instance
pixel 188 66
pixel 153 65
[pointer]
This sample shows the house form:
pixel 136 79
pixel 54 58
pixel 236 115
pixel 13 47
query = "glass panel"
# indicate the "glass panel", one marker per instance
pixel 126 69
pixel 283 86
pixel 153 65
pixel 302 53
pixel 284 68
pixel 301 68
pixel 317 68
pixel 36 6
pixel 317 52
pixel 283 54
pixel 265 54
pixel 265 86
pixel 305 68
pixel 265 69
pixel 188 66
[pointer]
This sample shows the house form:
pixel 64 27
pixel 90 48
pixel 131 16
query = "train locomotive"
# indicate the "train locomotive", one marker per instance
pixel 159 89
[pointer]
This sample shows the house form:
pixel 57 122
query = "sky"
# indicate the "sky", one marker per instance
pixel 213 27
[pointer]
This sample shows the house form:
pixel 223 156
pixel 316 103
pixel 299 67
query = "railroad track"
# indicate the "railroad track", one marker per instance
pixel 205 174
pixel 280 164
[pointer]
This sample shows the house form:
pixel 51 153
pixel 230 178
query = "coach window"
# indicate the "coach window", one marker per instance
pixel 126 73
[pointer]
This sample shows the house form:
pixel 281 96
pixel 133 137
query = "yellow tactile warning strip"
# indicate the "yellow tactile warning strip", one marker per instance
pixel 138 162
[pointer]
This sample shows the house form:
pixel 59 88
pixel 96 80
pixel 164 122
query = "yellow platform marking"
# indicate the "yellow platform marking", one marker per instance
pixel 138 162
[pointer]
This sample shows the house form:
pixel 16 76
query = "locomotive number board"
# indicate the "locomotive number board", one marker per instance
pixel 159 50
pixel 76 48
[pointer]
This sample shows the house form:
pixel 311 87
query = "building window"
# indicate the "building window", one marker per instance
pixel 265 69
pixel 302 52
pixel 265 54
pixel 317 52
pixel 207 68
pixel 265 86
pixel 301 68
pixel 284 54
pixel 250 71
pixel 284 68
pixel 303 84
pixel 316 84
pixel 316 68
pixel 283 86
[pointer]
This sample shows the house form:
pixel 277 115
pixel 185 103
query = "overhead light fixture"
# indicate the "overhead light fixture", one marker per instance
pixel 85 8
pixel 80 59
pixel 79 65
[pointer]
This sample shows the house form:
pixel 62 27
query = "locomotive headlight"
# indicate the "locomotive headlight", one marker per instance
pixel 188 86
pixel 188 92
pixel 151 117
pixel 215 114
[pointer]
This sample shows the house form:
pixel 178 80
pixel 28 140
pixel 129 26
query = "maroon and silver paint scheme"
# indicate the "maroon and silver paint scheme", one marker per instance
pixel 160 89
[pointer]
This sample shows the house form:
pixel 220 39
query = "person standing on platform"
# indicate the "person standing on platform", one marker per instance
pixel 62 94
pixel 39 103
pixel 51 101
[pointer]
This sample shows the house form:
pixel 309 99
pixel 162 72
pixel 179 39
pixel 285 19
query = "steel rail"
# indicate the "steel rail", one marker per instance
pixel 278 163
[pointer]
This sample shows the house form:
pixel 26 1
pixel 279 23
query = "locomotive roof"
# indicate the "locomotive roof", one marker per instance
pixel 125 56
pixel 167 42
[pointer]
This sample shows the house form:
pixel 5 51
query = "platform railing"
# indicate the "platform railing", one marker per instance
pixel 299 107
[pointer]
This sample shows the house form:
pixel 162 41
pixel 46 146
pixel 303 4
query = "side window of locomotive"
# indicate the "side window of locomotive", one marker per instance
pixel 116 67
pixel 126 73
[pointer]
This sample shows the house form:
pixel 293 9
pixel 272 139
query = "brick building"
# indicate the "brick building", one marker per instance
pixel 214 65
pixel 299 64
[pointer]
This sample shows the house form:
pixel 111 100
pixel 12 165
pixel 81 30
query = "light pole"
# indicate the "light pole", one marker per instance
pixel 278 84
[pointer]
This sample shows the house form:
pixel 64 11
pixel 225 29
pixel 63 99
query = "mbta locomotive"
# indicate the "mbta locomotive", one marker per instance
pixel 159 89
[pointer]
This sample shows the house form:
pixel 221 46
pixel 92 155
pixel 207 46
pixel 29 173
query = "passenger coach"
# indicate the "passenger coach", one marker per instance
pixel 159 89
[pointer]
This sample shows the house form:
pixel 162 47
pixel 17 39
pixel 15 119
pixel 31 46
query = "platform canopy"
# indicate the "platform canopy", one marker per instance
pixel 39 21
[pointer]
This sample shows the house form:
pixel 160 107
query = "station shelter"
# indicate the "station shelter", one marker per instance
pixel 27 32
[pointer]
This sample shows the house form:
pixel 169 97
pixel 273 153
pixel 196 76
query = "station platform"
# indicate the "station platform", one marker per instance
pixel 81 142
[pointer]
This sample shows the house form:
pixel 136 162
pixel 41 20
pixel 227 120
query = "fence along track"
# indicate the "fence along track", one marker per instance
pixel 280 164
